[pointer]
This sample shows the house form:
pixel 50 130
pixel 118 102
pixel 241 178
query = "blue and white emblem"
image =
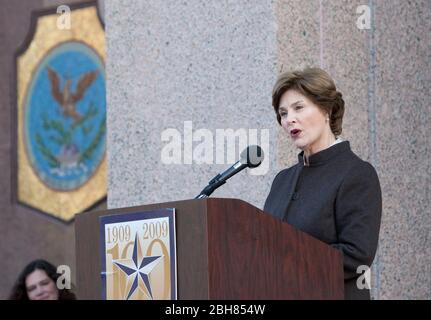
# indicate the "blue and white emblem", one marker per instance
pixel 65 116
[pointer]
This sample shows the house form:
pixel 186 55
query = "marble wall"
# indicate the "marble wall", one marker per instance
pixel 186 66
pixel 402 105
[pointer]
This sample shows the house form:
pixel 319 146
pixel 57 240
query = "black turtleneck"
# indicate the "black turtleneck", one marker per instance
pixel 336 198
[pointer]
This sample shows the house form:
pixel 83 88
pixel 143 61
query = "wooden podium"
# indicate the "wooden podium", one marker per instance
pixel 226 249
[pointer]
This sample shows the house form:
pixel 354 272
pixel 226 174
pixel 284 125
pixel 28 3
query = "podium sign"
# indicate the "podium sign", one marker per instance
pixel 139 256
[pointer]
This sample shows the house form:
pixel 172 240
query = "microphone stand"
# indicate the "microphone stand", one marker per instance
pixel 210 188
pixel 221 178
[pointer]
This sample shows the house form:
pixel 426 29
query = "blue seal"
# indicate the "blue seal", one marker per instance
pixel 65 116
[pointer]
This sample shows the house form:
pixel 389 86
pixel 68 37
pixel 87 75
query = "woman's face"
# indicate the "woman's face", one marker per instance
pixel 304 122
pixel 40 286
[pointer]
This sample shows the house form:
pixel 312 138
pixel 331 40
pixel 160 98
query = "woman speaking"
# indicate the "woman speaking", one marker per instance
pixel 330 193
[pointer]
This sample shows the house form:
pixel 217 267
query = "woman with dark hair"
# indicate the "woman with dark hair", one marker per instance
pixel 330 193
pixel 38 281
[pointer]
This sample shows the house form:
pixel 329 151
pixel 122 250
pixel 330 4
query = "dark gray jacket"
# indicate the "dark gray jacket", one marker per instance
pixel 335 198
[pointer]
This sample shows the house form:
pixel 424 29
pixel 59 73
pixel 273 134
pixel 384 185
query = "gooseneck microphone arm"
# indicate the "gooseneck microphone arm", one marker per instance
pixel 220 179
pixel 250 157
pixel 206 192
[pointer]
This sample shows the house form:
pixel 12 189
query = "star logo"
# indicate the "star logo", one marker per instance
pixel 137 270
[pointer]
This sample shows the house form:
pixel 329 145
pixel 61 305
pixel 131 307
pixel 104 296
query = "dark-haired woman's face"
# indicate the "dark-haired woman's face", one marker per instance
pixel 40 286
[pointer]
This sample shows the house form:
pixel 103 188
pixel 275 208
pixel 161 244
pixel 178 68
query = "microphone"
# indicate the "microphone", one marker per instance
pixel 251 157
